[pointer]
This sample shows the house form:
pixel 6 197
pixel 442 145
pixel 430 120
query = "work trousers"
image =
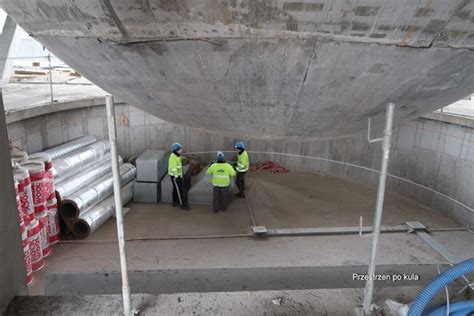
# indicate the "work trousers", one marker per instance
pixel 240 181
pixel 220 199
pixel 180 193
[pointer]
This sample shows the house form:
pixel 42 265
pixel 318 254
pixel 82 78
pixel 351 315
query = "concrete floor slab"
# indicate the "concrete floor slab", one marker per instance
pixel 295 302
pixel 165 238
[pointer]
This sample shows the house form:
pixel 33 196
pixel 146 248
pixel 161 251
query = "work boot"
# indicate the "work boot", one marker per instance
pixel 185 208
pixel 175 204
pixel 216 211
pixel 240 195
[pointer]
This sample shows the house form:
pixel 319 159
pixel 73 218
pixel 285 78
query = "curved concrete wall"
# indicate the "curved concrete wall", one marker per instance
pixel 436 151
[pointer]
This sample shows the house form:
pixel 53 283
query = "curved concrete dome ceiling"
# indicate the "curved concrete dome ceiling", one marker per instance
pixel 267 69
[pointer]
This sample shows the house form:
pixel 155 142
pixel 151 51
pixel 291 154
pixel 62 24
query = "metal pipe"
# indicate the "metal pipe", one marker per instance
pixel 68 165
pixel 80 202
pixel 50 79
pixel 71 146
pixel 127 300
pixel 89 175
pixel 369 286
pixel 91 220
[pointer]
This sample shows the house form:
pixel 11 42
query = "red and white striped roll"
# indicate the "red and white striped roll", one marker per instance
pixel 48 176
pixel 26 195
pixel 54 231
pixel 27 256
pixel 19 187
pixel 44 224
pixel 34 243
pixel 38 184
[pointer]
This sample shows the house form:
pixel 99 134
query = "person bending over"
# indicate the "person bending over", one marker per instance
pixel 221 173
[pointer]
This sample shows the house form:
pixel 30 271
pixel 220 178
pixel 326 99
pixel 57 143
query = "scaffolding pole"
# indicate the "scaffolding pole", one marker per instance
pixel 127 302
pixel 386 142
pixel 50 79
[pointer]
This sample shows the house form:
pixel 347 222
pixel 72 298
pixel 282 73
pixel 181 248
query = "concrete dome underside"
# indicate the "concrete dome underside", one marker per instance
pixel 265 69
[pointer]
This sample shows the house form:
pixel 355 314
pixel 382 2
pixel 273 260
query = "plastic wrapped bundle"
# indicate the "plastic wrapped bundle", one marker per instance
pixel 26 194
pixel 70 147
pixel 79 160
pixel 18 192
pixel 34 243
pixel 45 158
pixel 91 220
pixel 38 184
pixel 76 183
pixel 54 230
pixel 40 188
pixel 96 192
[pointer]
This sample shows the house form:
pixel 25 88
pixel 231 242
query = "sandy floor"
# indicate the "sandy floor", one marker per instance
pixel 298 199
pixel 278 201
pixel 289 200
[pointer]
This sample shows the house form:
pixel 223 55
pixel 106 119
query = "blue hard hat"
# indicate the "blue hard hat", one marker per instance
pixel 176 146
pixel 220 155
pixel 240 145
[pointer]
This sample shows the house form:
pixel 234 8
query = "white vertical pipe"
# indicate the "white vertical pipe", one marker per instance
pixel 127 302
pixel 387 139
pixel 50 79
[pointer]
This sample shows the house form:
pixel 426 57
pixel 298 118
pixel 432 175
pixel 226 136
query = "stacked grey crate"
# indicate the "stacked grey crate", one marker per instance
pixel 152 166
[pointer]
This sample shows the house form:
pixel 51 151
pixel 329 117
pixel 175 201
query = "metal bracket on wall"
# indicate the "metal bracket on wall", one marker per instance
pixel 373 140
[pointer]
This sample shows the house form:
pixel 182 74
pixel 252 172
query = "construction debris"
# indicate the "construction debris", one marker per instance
pixel 269 165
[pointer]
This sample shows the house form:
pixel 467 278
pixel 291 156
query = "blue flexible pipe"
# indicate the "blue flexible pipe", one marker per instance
pixel 462 308
pixel 424 297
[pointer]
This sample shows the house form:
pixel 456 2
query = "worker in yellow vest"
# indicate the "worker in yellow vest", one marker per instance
pixel 175 171
pixel 221 173
pixel 242 166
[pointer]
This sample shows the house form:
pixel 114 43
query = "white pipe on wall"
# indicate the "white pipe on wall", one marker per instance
pixel 127 301
pixel 387 139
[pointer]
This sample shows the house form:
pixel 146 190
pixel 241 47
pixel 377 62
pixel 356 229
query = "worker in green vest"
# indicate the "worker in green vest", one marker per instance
pixel 175 171
pixel 242 166
pixel 221 173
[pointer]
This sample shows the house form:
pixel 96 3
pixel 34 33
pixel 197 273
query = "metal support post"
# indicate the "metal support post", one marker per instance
pixel 50 79
pixel 127 302
pixel 369 286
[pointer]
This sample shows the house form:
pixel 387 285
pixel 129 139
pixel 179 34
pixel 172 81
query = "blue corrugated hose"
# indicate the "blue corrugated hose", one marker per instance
pixel 462 308
pixel 424 297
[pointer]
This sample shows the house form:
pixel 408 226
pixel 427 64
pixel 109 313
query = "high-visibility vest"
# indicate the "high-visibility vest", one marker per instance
pixel 221 173
pixel 175 166
pixel 243 162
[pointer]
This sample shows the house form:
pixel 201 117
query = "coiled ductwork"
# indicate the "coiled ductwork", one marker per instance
pixel 76 183
pixel 78 203
pixel 91 220
pixel 67 165
pixel 71 146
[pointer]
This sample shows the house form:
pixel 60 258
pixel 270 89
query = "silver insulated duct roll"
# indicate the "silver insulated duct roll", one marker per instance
pixel 80 202
pixel 78 160
pixel 91 220
pixel 76 183
pixel 71 146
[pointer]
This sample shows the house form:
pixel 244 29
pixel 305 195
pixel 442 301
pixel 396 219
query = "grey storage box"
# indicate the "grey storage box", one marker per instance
pixel 167 187
pixel 147 192
pixel 152 165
